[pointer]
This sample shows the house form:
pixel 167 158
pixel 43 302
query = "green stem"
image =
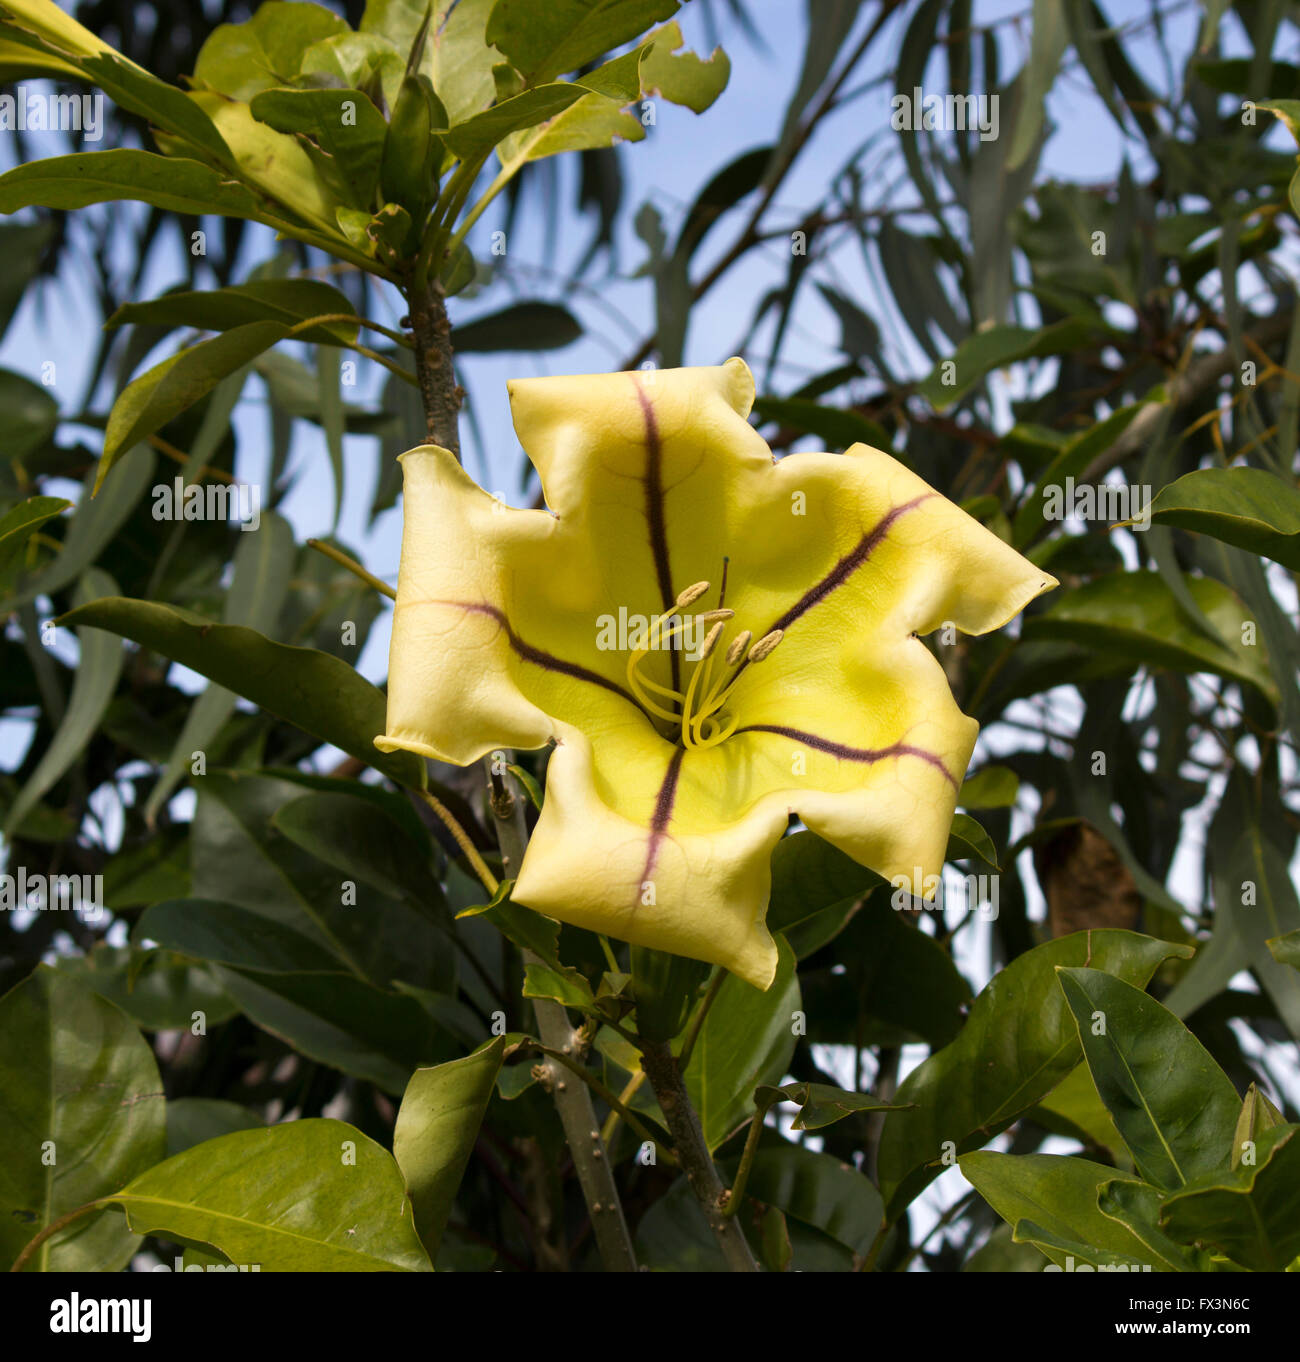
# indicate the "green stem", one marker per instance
pixel 607 1095
pixel 572 1100
pixel 737 1193
pixel 693 1153
pixel 54 1227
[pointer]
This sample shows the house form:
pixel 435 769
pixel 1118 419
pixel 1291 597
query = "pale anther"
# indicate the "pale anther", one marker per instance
pixel 765 645
pixel 738 646
pixel 711 640
pixel 691 594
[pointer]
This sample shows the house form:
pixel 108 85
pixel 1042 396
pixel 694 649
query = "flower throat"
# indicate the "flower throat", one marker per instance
pixel 697 713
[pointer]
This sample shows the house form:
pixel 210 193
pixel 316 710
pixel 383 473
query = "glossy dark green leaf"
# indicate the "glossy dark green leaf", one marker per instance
pixel 967 839
pixel 314 690
pixel 746 1041
pixel 166 390
pixel 307 1196
pixel 521 326
pixel 289 301
pixel 343 1022
pixel 31 413
pixel 192 1120
pixel 1019 1041
pixel 263 562
pixel 1135 615
pixel 83 1114
pixel 994 348
pixel 1250 508
pixel 839 429
pixel 98 667
pixel 437 1125
pixel 545 41
pixel 157 989
pixel 227 934
pixel 1252 1216
pixel 992 787
pixel 818 1190
pixel 168 182
pixel 342 130
pixel 265 50
pixel 93 525
pixel 1174 1106
pixel 821 1104
pixel 19 524
pixel 1258 1114
pixel 1050 1200
pixel 363 840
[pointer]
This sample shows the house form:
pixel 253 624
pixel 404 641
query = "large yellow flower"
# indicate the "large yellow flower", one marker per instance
pixel 792 683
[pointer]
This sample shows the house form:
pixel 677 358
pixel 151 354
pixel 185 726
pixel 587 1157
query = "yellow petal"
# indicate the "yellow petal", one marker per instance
pixel 657 481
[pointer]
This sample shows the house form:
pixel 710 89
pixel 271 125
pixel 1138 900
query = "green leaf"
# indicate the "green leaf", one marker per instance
pixel 192 1120
pixel 342 130
pixel 820 1104
pixel 1286 949
pixel 521 326
pixel 966 839
pixel 1135 616
pixel 563 986
pixel 545 41
pixel 459 61
pixel 263 562
pixel 1258 1114
pixel 98 668
pixel 591 122
pixel 1252 1218
pixel 1047 47
pixel 83 1114
pixel 437 1125
pixel 288 301
pixel 158 990
pixel 992 787
pixel 169 388
pixel 20 523
pixel 356 60
pixel 362 840
pixel 343 1022
pixel 318 692
pixel 227 934
pixel 264 51
pixel 995 347
pixel 1174 1106
pixel 839 429
pixel 1248 851
pixel 1051 1201
pixel 525 110
pixel 1074 456
pixel 306 1196
pixel 818 1190
pixel 682 77
pixel 31 413
pixel 746 1041
pixel 93 525
pixel 172 183
pixel 1018 1043
pixel 1250 508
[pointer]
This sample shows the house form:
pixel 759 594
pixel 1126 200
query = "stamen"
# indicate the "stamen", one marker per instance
pixel 765 645
pixel 708 616
pixel 691 595
pixel 738 646
pixel 711 640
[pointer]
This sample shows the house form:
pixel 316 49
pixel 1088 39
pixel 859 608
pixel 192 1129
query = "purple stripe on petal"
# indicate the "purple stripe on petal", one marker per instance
pixel 652 481
pixel 537 656
pixel 846 753
pixel 663 812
